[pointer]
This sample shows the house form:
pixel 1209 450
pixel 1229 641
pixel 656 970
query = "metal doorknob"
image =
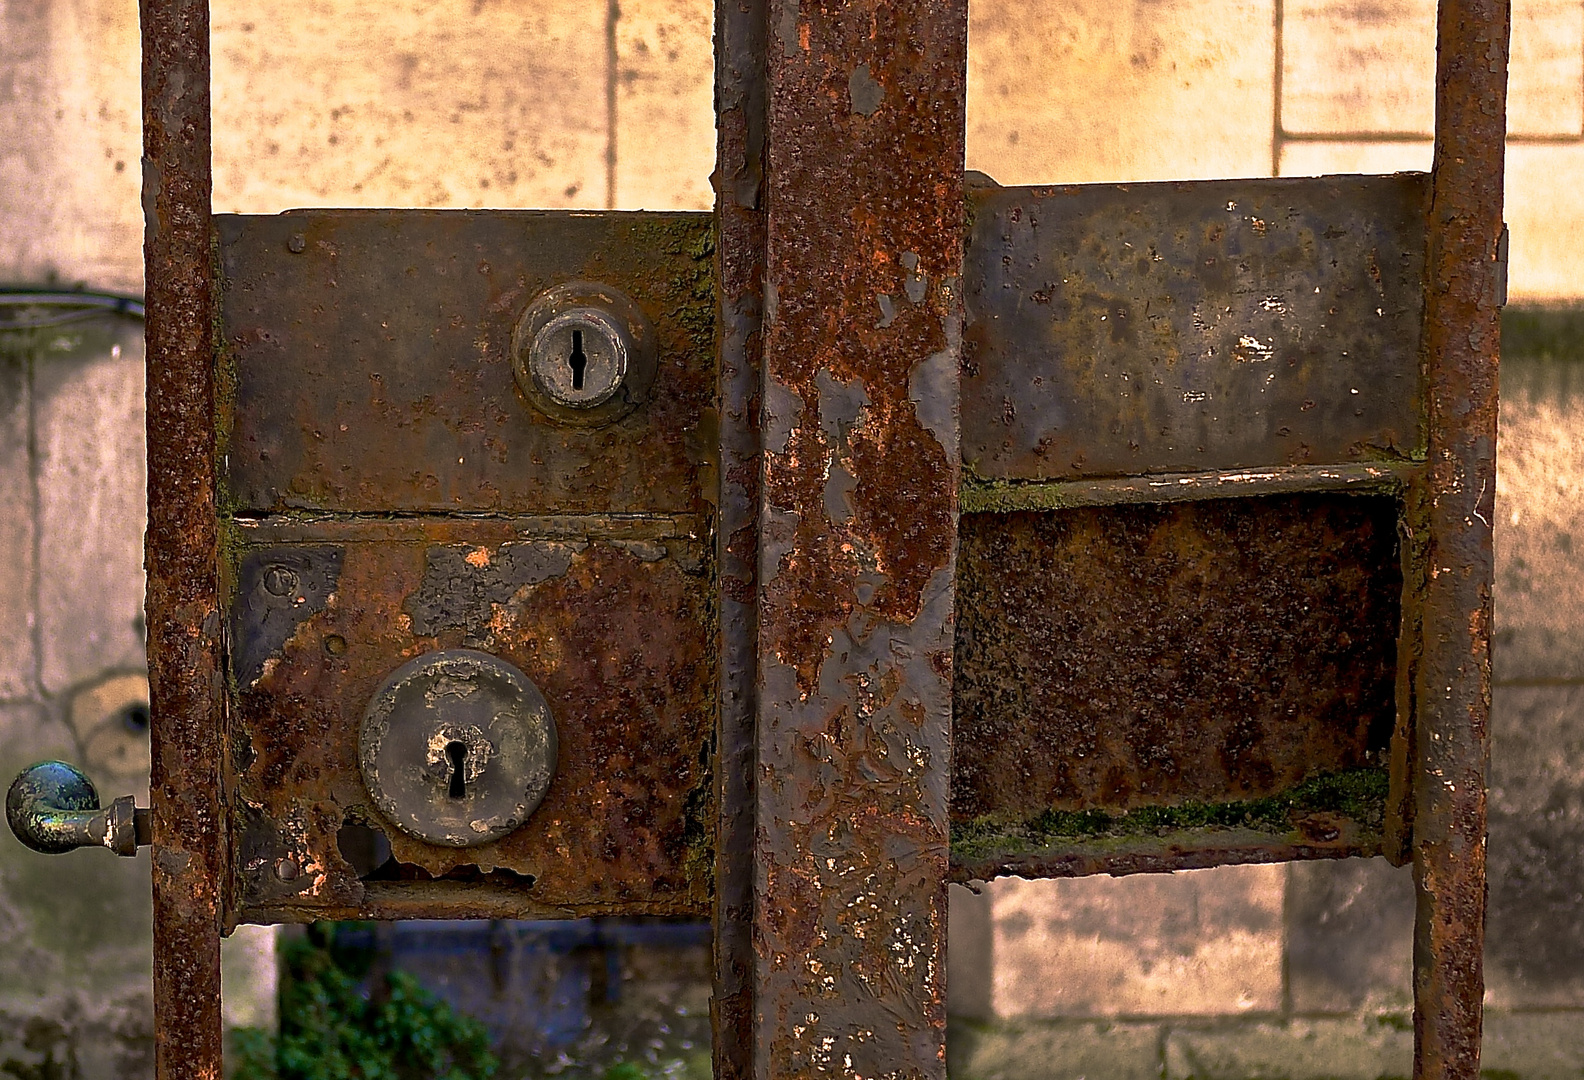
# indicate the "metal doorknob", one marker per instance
pixel 52 807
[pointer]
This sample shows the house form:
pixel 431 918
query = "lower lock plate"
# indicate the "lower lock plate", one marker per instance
pixel 457 747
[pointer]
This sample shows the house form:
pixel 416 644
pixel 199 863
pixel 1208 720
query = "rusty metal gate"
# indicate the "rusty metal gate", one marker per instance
pixel 886 528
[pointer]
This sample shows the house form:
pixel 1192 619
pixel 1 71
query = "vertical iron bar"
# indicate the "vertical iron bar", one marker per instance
pixel 740 248
pixel 182 600
pixel 857 544
pixel 1462 343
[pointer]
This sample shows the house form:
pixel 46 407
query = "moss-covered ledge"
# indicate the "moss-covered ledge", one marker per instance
pixel 1331 815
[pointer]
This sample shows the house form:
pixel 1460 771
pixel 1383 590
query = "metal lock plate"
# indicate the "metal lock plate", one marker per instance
pixel 425 501
pixel 458 747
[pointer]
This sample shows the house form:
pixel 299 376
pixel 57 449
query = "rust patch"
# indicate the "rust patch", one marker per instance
pixel 1129 656
pixel 184 626
pixel 857 518
pixel 464 586
pixel 625 823
pixel 1464 287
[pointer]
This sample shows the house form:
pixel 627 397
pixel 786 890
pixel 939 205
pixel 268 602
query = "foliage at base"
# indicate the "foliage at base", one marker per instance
pixel 331 1028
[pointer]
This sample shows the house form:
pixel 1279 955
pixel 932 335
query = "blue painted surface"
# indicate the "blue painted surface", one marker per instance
pixel 556 990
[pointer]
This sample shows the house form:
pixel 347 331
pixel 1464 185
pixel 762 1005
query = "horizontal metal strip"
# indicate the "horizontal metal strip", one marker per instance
pixel 1121 330
pixel 1187 850
pixel 459 900
pixel 479 528
pixel 1010 495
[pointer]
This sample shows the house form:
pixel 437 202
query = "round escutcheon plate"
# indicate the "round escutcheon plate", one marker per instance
pixel 457 747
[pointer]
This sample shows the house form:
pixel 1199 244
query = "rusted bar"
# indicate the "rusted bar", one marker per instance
pixel 1461 340
pixel 182 602
pixel 740 31
pixel 857 518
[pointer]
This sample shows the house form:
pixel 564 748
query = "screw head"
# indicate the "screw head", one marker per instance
pixel 280 580
pixel 579 358
pixel 583 353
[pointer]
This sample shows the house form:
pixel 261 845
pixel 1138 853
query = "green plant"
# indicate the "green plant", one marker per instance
pixel 331 1029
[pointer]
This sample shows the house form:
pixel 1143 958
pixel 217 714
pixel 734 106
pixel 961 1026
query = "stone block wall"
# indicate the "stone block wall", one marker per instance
pixel 1256 971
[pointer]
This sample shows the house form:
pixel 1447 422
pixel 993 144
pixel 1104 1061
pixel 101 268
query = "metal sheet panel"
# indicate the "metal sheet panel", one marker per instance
pixel 1117 330
pixel 370 366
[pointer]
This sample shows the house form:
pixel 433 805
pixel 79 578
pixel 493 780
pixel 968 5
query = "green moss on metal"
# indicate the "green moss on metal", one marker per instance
pixel 225 386
pixel 1356 794
pixel 1005 496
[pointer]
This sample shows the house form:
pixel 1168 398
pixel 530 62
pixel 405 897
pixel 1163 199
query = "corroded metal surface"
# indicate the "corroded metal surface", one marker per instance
pixel 370 365
pixel 275 592
pixel 740 36
pixel 1462 331
pixel 1186 487
pixel 616 633
pixel 1333 837
pixel 1133 656
pixel 1115 330
pixel 858 520
pixel 183 579
pixel 457 747
pixel 370 354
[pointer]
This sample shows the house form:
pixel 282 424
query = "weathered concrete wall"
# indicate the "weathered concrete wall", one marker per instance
pixel 74 933
pixel 75 945
pixel 1296 970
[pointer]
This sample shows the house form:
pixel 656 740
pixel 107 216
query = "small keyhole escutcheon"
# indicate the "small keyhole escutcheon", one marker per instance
pixel 583 353
pixel 456 753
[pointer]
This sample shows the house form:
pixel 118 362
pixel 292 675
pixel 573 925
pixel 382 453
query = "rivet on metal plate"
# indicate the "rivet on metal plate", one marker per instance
pixel 457 747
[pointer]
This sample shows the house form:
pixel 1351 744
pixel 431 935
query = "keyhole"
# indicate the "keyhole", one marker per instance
pixel 457 753
pixel 577 361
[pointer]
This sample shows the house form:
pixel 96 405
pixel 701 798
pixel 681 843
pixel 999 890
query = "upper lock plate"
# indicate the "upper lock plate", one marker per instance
pixel 457 747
